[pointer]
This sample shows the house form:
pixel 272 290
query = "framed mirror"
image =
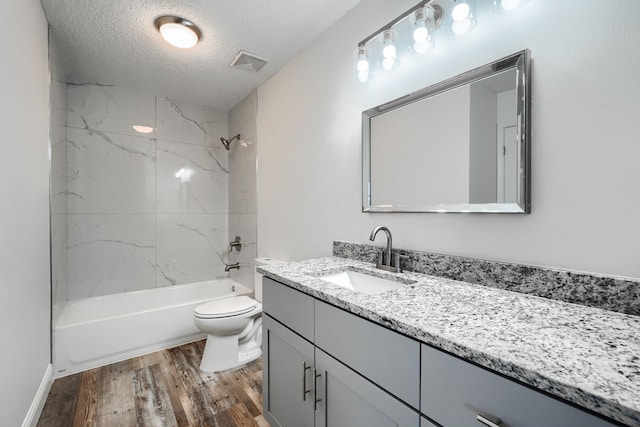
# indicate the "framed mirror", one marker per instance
pixel 462 145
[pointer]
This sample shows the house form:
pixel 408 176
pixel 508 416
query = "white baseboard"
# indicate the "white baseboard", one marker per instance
pixel 39 400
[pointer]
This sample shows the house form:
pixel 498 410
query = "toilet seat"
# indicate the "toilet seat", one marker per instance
pixel 225 307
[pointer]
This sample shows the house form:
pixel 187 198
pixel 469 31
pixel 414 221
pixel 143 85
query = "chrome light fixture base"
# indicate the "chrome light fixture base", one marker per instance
pixel 191 28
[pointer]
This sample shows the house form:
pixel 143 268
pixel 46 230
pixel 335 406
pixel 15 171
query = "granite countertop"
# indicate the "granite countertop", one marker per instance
pixel 585 355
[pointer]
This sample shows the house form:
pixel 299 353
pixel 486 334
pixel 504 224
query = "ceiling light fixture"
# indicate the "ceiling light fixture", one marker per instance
pixel 178 31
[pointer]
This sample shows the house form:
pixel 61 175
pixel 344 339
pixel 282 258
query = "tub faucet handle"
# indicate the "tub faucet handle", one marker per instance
pixel 236 243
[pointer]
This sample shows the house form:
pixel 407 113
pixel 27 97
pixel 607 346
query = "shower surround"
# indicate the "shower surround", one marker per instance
pixel 141 210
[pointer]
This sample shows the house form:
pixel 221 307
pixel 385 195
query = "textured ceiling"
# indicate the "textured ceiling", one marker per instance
pixel 115 42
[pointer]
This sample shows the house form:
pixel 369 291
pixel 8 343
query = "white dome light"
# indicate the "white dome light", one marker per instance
pixel 178 32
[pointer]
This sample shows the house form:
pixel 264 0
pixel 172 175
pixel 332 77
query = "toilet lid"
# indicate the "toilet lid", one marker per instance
pixel 226 307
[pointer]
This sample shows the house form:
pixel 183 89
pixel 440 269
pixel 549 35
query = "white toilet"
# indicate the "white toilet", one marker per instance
pixel 234 328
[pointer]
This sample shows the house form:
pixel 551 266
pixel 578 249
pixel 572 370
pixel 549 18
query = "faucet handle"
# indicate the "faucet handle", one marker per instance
pixel 398 259
pixel 380 254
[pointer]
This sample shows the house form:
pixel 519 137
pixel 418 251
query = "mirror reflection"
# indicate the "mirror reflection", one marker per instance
pixel 459 146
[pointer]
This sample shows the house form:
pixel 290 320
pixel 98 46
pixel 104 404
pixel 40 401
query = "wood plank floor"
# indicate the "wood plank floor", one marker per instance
pixel 160 389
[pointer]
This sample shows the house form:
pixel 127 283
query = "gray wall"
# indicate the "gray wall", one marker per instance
pixel 24 217
pixel 585 193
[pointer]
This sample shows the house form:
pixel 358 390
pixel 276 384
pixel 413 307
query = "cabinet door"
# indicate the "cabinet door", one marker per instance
pixel 286 384
pixel 350 400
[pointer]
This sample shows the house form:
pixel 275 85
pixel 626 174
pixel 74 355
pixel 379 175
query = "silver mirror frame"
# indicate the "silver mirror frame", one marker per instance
pixel 521 62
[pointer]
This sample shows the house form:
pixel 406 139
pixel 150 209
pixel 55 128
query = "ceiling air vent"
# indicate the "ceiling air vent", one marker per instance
pixel 248 61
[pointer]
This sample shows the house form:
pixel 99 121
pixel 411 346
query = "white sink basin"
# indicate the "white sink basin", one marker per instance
pixel 361 282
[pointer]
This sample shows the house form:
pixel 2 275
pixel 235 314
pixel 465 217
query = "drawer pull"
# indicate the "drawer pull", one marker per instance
pixel 489 420
pixel 315 390
pixel 304 381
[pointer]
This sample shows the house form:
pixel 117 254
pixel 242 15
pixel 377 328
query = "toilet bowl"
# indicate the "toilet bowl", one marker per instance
pixel 234 332
pixel 233 326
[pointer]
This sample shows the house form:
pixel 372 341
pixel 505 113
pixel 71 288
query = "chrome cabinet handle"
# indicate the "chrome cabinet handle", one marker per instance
pixel 304 381
pixel 315 390
pixel 489 420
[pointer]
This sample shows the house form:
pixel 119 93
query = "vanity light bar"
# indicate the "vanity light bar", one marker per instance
pixel 428 16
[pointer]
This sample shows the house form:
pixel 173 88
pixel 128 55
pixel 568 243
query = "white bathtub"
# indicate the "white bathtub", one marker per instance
pixel 97 331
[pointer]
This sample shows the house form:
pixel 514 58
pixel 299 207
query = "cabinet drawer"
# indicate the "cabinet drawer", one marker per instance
pixel 388 359
pixel 288 306
pixel 453 392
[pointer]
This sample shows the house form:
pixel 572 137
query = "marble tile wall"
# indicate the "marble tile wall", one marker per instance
pixel 242 188
pixel 609 293
pixel 143 210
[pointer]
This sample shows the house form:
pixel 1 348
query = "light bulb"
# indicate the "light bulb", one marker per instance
pixel 389 51
pixel 460 12
pixel 363 66
pixel 388 63
pixel 422 47
pixel 178 35
pixel 510 4
pixel 461 27
pixel 420 34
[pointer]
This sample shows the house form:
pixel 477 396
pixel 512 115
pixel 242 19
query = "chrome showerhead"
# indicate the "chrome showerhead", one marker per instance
pixel 227 142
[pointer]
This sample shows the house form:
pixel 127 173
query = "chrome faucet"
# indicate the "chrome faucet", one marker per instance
pixel 384 259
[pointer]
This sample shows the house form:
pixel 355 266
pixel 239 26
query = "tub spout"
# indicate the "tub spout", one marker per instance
pixel 229 267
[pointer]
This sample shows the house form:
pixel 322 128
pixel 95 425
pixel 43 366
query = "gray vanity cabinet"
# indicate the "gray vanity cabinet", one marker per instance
pixel 455 392
pixel 325 367
pixel 305 386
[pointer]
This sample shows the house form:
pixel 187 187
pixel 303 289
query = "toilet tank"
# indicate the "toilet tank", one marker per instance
pixel 258 277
